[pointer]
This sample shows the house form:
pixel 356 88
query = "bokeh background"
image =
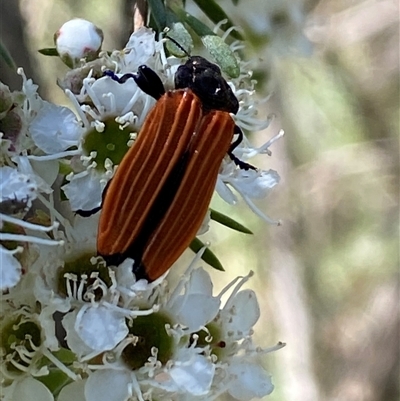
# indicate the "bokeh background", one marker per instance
pixel 327 279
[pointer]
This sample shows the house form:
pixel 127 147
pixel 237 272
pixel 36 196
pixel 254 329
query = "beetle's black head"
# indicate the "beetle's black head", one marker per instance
pixel 205 80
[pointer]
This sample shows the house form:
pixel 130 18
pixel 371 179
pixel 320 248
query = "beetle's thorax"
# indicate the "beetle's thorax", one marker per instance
pixel 206 81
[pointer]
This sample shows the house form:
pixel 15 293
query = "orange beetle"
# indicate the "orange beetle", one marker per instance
pixel 157 200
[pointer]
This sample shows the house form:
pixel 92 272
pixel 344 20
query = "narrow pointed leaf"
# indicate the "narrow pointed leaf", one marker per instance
pixel 49 51
pixel 158 13
pixel 228 222
pixel 6 56
pixel 198 27
pixel 208 256
pixel 216 14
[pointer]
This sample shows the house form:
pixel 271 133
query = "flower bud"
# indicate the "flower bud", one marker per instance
pixel 78 39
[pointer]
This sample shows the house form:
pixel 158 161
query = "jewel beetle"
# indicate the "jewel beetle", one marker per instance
pixel 158 198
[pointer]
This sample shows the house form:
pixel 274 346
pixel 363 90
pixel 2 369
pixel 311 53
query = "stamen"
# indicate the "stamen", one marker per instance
pixel 29 226
pixel 185 278
pixel 228 31
pixel 31 239
pixel 77 107
pixel 56 156
pixel 98 125
pixel 20 367
pixel 92 94
pixel 238 286
pixel 257 211
pixel 132 101
pixel 218 26
pixel 24 354
pixel 146 108
pixel 71 291
pixel 113 104
pixel 59 364
pixel 81 286
pixel 135 386
pixel 18 249
pixel 56 215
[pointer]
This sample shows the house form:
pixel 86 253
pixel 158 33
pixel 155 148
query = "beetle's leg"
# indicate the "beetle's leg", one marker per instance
pixel 146 79
pixel 241 164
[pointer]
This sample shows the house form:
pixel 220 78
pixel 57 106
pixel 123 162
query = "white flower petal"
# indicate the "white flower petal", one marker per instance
pixel 75 342
pixel 241 315
pixel 225 192
pixel 114 97
pixel 107 385
pixel 249 381
pixel 10 269
pixel 25 167
pixel 254 184
pixel 101 328
pixel 74 391
pixel 193 374
pixel 48 170
pixel 197 306
pixel 197 311
pixel 16 186
pixel 30 389
pixel 55 128
pixel 84 191
pixel 200 282
pixel 140 48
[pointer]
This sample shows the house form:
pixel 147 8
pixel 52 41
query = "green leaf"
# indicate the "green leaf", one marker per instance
pixel 217 14
pixel 6 56
pixel 49 51
pixel 228 222
pixel 235 2
pixel 158 13
pixel 207 256
pixel 222 54
pixel 55 380
pixel 182 36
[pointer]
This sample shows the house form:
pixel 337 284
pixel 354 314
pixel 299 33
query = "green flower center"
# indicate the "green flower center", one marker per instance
pixel 112 143
pixel 150 332
pixel 213 339
pixel 21 333
pixel 83 267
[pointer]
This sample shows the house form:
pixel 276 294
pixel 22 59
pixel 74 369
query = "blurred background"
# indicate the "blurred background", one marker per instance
pixel 327 279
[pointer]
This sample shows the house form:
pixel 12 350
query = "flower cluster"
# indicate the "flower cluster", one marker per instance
pixel 72 327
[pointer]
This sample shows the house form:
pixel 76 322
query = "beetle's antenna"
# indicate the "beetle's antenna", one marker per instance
pixel 177 44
